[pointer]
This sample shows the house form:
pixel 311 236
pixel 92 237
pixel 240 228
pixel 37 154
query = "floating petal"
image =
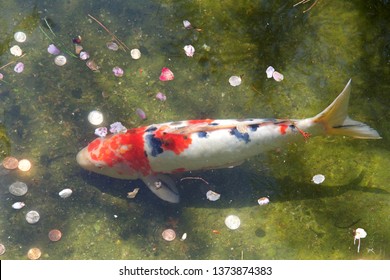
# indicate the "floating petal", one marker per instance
pixel 52 49
pixel 140 113
pixel 263 201
pixel 166 74
pixel 101 131
pixel 16 50
pixel 18 205
pixel 84 55
pixel 270 70
pixel 277 76
pixel 187 24
pixel 112 46
pixel 117 127
pixel 19 67
pixel 212 196
pixel 161 96
pixel 133 193
pixel 118 72
pixel 189 50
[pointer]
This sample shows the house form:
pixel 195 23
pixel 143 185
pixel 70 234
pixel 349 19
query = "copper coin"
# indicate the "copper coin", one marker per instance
pixel 10 163
pixel 34 254
pixel 55 235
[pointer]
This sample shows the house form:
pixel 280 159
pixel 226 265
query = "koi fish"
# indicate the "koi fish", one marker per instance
pixel 152 152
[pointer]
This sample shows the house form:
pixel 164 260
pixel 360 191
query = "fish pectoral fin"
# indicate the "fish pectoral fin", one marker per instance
pixel 163 186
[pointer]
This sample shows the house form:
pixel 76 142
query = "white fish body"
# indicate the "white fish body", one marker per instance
pixel 151 152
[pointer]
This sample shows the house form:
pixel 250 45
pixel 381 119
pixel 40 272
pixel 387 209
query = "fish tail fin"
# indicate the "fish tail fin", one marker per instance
pixel 335 119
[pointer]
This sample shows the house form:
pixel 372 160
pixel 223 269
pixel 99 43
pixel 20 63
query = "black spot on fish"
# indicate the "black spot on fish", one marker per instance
pixel 240 136
pixel 155 144
pixel 214 123
pixel 202 134
pixel 150 129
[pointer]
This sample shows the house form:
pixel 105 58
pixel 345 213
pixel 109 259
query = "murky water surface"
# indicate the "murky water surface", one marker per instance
pixel 44 109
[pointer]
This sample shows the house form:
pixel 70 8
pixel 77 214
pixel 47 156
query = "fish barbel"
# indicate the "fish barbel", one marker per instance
pixel 151 152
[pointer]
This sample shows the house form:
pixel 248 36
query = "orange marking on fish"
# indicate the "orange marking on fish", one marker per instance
pixel 283 128
pixel 176 143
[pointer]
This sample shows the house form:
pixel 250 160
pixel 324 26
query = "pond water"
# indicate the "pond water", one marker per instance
pixel 44 109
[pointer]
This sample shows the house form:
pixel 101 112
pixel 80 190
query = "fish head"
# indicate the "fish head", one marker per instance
pixel 119 156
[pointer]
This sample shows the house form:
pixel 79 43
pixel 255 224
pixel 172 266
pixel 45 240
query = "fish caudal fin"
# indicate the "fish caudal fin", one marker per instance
pixel 335 119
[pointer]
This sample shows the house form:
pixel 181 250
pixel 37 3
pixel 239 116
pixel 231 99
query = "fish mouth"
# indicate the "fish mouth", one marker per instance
pixel 82 159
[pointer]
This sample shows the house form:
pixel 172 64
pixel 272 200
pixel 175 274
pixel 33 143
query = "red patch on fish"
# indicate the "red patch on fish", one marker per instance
pixel 122 147
pixel 176 143
pixel 283 128
pixel 200 121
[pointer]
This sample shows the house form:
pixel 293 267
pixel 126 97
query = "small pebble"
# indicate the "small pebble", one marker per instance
pixel 263 201
pixel 18 205
pixel 65 193
pixel 135 54
pixel 34 254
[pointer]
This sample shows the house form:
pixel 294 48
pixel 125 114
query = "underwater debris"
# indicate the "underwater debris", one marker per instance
pixel 304 2
pixel 133 194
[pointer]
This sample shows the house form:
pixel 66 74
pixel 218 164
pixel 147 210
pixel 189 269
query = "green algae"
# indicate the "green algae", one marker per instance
pixel 44 112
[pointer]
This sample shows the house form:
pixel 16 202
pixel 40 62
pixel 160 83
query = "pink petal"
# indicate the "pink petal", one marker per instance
pixel 19 67
pixel 189 50
pixel 140 113
pixel 161 96
pixel 118 71
pixel 277 76
pixel 166 74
